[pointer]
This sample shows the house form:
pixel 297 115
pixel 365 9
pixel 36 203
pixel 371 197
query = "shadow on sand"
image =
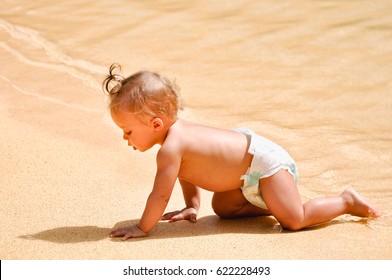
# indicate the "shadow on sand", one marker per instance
pixel 208 225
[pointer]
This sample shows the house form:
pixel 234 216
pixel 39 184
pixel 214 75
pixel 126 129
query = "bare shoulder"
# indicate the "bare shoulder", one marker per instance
pixel 172 148
pixel 185 132
pixel 188 137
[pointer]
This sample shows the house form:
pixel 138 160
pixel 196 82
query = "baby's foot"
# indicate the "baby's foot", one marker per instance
pixel 358 206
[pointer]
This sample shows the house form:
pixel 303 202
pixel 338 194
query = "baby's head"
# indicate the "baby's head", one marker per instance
pixel 145 94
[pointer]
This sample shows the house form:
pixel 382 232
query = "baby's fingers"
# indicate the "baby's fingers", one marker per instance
pixel 178 217
pixel 193 217
pixel 184 216
pixel 119 232
pixel 134 233
pixel 170 215
pixel 128 232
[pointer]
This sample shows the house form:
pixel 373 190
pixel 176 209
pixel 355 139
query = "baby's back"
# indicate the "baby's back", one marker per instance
pixel 212 158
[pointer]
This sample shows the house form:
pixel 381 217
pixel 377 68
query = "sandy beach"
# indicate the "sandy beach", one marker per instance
pixel 314 76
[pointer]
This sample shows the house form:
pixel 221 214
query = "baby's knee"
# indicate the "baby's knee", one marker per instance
pixel 224 215
pixel 294 223
pixel 293 226
pixel 222 209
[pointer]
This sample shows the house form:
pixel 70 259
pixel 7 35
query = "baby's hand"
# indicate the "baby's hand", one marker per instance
pixel 188 213
pixel 127 232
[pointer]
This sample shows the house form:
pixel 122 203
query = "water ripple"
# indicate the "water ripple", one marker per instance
pixel 61 62
pixel 47 98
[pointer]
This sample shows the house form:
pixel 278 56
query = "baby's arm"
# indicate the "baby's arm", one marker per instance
pixel 192 201
pixel 168 165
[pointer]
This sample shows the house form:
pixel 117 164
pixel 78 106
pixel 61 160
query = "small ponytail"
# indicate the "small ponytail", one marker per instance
pixel 113 83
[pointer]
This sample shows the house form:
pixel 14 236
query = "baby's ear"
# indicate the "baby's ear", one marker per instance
pixel 157 123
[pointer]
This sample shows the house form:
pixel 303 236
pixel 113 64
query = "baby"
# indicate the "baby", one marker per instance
pixel 249 175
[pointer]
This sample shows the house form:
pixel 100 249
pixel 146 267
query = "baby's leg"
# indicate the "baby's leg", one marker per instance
pixel 232 204
pixel 281 195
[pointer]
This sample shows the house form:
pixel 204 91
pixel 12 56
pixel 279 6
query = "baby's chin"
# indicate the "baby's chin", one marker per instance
pixel 139 149
pixel 142 149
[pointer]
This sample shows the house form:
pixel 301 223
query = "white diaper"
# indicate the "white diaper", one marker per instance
pixel 268 159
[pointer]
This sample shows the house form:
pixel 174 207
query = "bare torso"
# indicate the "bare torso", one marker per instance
pixel 211 158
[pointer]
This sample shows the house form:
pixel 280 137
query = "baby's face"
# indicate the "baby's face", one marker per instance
pixel 139 134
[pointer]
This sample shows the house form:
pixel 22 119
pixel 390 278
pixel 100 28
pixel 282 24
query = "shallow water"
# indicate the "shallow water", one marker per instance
pixel 294 70
pixel 315 76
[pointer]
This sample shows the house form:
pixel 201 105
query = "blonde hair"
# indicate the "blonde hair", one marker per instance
pixel 144 92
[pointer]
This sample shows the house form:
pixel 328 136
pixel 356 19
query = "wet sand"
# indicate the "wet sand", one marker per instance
pixel 313 76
